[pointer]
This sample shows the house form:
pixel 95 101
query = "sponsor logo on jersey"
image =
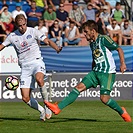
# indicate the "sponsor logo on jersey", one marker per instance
pixel 23 44
pixel 97 53
pixel 29 36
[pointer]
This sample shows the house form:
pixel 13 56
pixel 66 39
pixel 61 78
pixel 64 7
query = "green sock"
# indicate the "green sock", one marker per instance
pixel 113 105
pixel 72 96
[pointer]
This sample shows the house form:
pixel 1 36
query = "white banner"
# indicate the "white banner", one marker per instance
pixel 9 61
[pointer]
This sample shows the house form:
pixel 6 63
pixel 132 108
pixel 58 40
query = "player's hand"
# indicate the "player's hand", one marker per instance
pixel 123 67
pixel 59 49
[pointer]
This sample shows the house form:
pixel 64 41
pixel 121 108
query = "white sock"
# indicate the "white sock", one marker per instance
pixel 35 105
pixel 44 93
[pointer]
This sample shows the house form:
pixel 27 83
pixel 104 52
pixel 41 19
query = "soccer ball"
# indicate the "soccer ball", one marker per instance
pixel 11 82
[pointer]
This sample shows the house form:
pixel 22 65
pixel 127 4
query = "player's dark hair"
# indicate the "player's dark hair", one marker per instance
pixel 91 24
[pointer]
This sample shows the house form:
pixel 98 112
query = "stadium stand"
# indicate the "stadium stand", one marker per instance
pixel 83 41
pixel 67 6
pixel 12 5
pixel 126 6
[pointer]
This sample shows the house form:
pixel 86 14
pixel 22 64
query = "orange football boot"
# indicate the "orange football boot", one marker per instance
pixel 126 117
pixel 53 107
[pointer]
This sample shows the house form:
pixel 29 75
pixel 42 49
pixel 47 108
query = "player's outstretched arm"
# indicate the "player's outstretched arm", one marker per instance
pixel 53 45
pixel 1 47
pixel 122 60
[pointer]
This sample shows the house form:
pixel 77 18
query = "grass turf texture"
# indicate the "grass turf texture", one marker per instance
pixel 79 117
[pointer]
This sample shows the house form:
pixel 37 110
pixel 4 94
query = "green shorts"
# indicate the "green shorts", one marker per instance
pixel 105 80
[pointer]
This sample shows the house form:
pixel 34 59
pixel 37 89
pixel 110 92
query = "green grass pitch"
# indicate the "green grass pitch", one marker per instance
pixel 79 117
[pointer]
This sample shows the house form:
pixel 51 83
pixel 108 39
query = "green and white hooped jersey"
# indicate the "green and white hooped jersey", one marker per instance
pixel 101 53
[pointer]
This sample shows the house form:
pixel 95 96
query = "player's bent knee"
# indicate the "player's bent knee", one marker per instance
pixel 40 82
pixel 26 99
pixel 104 98
pixel 81 87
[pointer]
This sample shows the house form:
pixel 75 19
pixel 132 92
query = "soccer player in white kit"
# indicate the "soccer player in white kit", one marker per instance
pixel 24 40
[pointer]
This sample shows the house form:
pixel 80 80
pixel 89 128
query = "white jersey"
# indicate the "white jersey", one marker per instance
pixel 25 44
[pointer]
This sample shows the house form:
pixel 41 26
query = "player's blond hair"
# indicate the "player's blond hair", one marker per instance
pixel 19 17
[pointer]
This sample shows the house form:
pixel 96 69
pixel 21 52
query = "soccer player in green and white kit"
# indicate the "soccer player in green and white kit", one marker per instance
pixel 103 71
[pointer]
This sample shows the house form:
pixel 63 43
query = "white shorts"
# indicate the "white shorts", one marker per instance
pixel 28 71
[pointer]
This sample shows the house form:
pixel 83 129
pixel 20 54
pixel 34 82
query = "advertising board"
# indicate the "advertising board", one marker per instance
pixel 63 83
pixel 9 61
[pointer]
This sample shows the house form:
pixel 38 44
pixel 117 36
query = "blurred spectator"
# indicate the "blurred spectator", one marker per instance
pixel 49 16
pixel 96 4
pixel 112 2
pixel 4 2
pixel 33 15
pixel 2 32
pixel 104 16
pixel 114 31
pixel 29 1
pixel 6 18
pixel 56 33
pixel 82 4
pixel 77 15
pixel 89 12
pixel 117 14
pixel 42 28
pixel 99 23
pixel 72 35
pixel 54 3
pixel 107 4
pixel 41 5
pixel 62 16
pixel 86 1
pixel 127 33
pixel 8 1
pixel 17 11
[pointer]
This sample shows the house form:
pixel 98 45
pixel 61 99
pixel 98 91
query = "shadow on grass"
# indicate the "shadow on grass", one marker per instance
pixel 17 119
pixel 56 120
pixel 7 118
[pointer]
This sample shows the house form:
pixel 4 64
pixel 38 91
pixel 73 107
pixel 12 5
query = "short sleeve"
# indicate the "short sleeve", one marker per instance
pixel 109 43
pixel 38 35
pixel 7 41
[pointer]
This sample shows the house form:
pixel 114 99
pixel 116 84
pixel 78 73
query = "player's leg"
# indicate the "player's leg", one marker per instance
pixel 26 84
pixel 106 84
pixel 30 101
pixel 40 80
pixel 70 98
pixel 39 76
pixel 87 82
